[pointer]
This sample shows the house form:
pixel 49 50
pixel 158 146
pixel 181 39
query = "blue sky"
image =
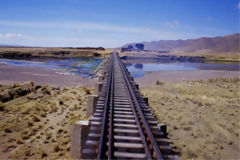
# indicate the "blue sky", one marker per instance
pixel 112 23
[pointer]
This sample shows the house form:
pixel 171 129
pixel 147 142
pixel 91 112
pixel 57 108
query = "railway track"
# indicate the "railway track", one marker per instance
pixel 122 126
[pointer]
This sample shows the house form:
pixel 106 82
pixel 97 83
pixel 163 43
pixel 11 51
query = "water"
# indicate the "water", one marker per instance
pixel 140 69
pixel 80 66
pixel 85 66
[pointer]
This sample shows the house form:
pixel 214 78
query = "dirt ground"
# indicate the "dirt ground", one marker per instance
pixel 202 116
pixel 36 121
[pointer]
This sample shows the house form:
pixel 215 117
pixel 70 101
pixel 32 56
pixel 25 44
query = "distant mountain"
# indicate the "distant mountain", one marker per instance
pixel 10 45
pixel 226 44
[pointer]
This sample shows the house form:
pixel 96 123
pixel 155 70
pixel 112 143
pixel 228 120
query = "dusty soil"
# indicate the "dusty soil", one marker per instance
pixel 36 121
pixel 202 116
pixel 43 76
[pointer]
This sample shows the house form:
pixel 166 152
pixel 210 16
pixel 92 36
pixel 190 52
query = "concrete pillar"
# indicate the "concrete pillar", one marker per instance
pixel 79 135
pixel 100 78
pixel 163 128
pixel 137 86
pixel 98 88
pixel 91 105
pixel 146 100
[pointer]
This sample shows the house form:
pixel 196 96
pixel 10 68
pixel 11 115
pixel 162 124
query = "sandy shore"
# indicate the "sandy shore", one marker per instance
pixel 178 76
pixel 43 76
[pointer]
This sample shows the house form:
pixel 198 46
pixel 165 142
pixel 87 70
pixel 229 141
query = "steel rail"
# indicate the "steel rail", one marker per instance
pixel 102 145
pixel 110 138
pixel 141 132
pixel 145 124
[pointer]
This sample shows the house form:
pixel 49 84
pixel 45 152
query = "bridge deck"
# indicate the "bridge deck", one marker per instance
pixel 122 126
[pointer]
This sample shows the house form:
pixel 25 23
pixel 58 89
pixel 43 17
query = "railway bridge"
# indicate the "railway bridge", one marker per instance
pixel 121 125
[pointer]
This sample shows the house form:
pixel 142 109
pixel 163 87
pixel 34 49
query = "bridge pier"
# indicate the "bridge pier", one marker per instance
pixel 137 86
pixel 91 105
pixel 80 133
pixel 98 88
pixel 163 128
pixel 145 100
pixel 100 78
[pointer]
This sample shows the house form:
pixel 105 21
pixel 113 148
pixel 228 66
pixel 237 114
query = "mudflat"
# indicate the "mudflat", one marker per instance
pixel 43 76
pixel 202 116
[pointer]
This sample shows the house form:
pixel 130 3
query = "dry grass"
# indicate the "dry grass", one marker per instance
pixel 36 125
pixel 202 116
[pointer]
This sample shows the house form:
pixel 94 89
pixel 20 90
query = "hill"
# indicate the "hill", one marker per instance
pixel 216 45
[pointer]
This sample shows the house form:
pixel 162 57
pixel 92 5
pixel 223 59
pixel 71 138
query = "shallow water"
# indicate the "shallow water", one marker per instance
pixel 80 66
pixel 85 66
pixel 139 69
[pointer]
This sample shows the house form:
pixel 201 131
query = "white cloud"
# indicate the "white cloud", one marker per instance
pixel 11 35
pixel 86 33
pixel 172 24
pixel 209 19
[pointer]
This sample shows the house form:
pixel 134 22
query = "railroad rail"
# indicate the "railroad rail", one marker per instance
pixel 122 126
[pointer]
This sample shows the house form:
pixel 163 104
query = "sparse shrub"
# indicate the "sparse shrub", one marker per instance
pixel 7 130
pixel 26 136
pixel 160 83
pixel 19 141
pixel 60 102
pixel 44 155
pixel 53 107
pixel 87 91
pixel 2 106
pixel 60 131
pixel 49 136
pixel 37 87
pixel 43 114
pixel 36 119
pixel 31 83
pixel 56 148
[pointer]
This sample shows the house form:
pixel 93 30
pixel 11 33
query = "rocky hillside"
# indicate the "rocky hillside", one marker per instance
pixel 226 44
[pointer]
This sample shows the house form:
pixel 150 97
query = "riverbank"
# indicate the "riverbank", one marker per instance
pixel 181 56
pixel 55 52
pixel 178 76
pixel 43 76
pixel 202 116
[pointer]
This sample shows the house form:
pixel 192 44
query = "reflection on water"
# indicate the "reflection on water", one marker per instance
pixel 85 66
pixel 139 69
pixel 81 66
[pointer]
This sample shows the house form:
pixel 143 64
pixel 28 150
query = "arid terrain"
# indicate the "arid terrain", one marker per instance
pixel 200 108
pixel 202 116
pixel 36 121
